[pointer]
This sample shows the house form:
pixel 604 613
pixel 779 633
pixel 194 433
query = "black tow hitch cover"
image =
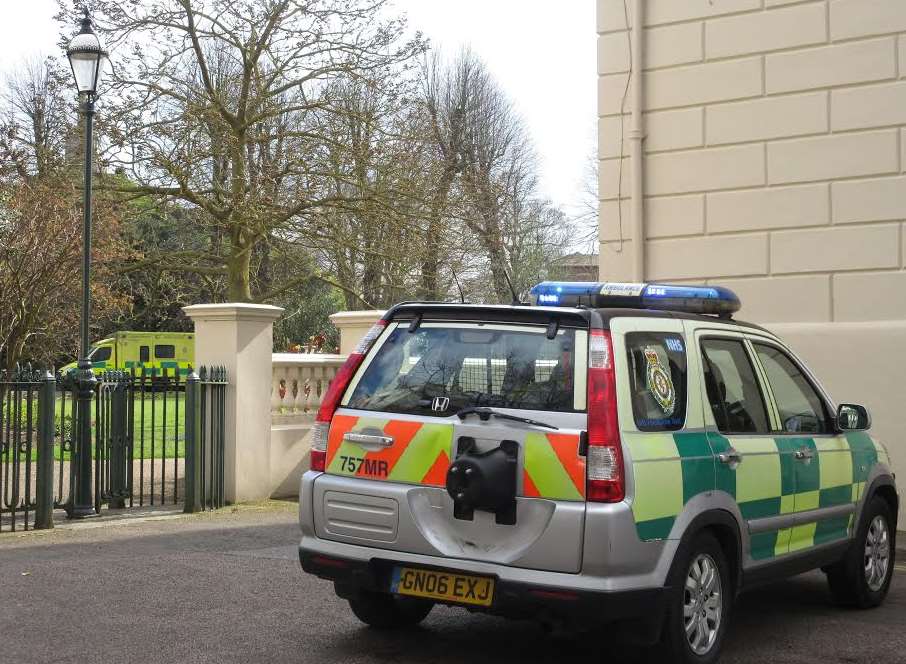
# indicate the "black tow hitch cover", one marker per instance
pixel 484 481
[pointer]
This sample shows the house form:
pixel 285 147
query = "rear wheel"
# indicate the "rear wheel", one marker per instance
pixel 862 578
pixel 384 611
pixel 699 605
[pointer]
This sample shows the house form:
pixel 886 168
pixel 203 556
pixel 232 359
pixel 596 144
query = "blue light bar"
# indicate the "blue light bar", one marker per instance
pixel 552 293
pixel 663 297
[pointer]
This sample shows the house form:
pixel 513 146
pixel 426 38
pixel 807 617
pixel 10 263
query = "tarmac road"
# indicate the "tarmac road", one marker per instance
pixel 227 587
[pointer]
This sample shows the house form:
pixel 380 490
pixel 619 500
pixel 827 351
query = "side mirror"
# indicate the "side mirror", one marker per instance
pixel 852 417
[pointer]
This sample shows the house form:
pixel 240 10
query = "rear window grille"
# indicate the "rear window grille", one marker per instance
pixel 505 367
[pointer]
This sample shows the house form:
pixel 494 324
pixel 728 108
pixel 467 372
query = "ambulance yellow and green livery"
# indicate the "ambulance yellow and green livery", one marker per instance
pixel 153 352
pixel 612 453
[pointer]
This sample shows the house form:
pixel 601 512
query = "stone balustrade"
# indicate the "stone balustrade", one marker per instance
pixel 299 383
pixel 265 453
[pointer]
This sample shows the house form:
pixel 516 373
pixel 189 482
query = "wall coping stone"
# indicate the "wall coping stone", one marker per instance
pixel 232 311
pixel 352 317
pixel 309 359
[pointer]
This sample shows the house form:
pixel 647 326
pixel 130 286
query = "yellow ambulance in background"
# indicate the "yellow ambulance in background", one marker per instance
pixel 152 351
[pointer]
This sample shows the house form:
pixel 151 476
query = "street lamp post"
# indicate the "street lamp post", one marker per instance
pixel 86 57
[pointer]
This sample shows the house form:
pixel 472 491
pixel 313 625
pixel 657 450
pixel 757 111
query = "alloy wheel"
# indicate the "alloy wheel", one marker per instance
pixel 877 553
pixel 702 604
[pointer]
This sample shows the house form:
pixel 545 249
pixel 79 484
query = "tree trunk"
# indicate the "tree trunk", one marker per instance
pixel 433 237
pixel 497 256
pixel 238 268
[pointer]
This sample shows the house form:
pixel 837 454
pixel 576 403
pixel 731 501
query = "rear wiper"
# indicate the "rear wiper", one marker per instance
pixel 485 414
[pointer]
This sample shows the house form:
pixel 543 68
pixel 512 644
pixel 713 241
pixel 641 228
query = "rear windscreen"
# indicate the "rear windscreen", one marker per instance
pixel 441 368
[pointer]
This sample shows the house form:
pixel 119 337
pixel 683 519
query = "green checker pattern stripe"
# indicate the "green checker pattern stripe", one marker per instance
pixel 670 469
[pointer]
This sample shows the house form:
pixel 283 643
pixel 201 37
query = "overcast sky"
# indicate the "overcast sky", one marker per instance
pixel 542 52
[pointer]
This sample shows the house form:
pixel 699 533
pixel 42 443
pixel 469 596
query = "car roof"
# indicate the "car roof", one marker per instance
pixel 620 312
pixel 489 312
pixel 523 313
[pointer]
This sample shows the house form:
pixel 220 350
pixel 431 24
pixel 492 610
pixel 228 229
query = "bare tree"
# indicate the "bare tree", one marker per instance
pixel 219 104
pixel 40 222
pixel 585 217
pixel 445 93
pixel 40 263
pixel 36 122
pixel 486 185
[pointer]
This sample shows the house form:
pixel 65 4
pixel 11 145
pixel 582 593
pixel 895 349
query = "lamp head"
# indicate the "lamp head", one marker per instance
pixel 87 57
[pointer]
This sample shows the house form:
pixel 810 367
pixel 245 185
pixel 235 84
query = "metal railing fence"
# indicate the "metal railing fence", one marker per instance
pixel 149 432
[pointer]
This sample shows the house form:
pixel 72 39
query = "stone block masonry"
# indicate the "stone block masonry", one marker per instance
pixel 774 145
pixel 773 161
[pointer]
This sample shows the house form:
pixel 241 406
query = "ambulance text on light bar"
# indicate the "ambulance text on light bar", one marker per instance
pixel 664 297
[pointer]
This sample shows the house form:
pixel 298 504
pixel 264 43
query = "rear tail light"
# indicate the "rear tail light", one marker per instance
pixel 604 464
pixel 335 391
pixel 319 432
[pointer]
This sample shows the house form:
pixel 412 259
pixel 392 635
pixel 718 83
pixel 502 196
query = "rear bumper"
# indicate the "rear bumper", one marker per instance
pixel 605 555
pixel 558 604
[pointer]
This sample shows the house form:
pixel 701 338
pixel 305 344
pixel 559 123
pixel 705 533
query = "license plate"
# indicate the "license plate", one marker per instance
pixel 443 586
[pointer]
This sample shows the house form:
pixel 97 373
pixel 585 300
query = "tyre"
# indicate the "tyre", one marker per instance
pixel 698 608
pixel 862 578
pixel 384 611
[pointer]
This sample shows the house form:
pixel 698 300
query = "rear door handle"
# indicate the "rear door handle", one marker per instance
pixel 369 439
pixel 730 457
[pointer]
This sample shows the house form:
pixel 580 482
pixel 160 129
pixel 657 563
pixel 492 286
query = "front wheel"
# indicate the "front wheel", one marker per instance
pixel 699 605
pixel 384 611
pixel 862 578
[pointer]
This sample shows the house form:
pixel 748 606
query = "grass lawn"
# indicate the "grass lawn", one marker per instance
pixel 158 430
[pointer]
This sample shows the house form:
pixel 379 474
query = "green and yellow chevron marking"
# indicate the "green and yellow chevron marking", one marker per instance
pixel 420 453
pixel 552 467
pixel 433 444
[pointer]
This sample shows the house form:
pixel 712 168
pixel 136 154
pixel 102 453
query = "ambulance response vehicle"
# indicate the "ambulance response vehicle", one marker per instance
pixel 157 353
pixel 614 453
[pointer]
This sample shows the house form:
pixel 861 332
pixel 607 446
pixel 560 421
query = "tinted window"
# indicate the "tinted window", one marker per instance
pixel 657 378
pixel 101 354
pixel 144 354
pixel 470 366
pixel 165 352
pixel 733 391
pixel 801 409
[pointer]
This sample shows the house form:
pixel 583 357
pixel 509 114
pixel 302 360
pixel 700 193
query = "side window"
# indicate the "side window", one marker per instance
pixel 101 354
pixel 733 390
pixel 165 351
pixel 657 378
pixel 144 354
pixel 801 409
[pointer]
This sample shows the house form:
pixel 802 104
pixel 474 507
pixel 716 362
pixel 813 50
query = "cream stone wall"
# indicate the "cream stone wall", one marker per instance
pixel 774 161
pixel 239 337
pixel 774 146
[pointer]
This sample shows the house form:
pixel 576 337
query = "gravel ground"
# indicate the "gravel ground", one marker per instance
pixel 158 477
pixel 227 587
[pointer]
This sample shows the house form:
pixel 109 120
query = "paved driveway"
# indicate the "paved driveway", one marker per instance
pixel 227 588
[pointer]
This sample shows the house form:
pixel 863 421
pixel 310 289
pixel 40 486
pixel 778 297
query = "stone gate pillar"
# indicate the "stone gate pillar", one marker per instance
pixel 352 326
pixel 239 336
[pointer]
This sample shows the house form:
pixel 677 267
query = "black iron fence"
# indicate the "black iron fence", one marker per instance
pixel 26 460
pixel 154 437
pixel 205 408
